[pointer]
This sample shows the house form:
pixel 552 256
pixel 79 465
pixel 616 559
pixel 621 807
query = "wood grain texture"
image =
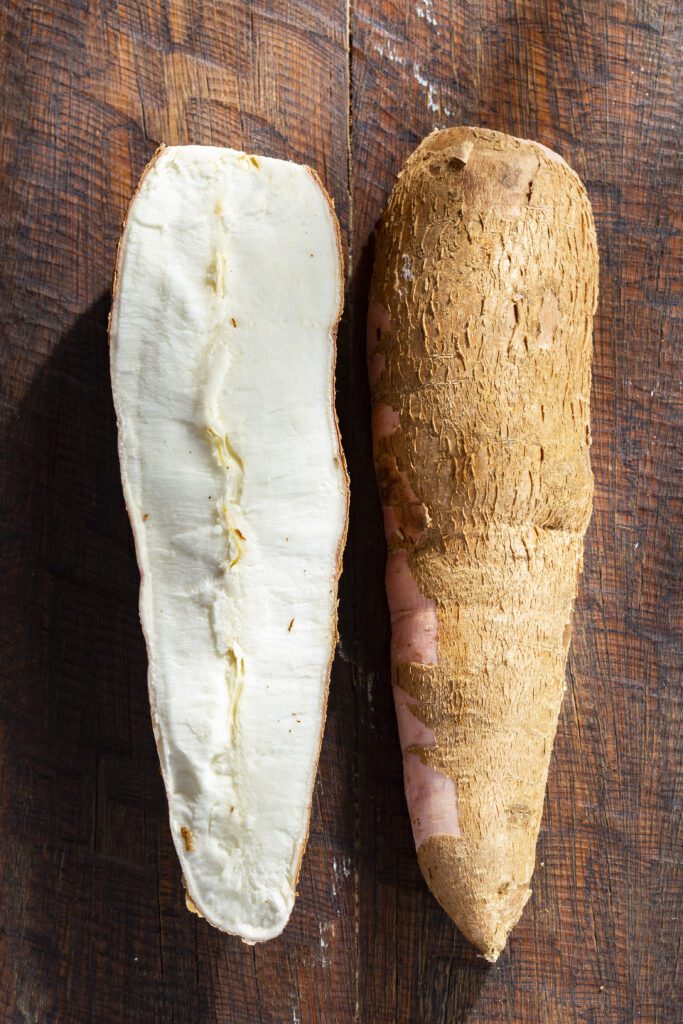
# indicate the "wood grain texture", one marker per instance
pixel 92 924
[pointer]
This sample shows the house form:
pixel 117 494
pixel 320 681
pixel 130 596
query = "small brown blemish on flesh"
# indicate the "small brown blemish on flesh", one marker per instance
pixel 289 627
pixel 145 517
pixel 233 321
pixel 188 838
pixel 255 162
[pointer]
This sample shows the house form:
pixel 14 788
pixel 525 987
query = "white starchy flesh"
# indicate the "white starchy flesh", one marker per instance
pixel 226 303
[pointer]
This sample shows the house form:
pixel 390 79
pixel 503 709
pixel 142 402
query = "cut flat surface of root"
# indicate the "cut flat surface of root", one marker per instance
pixel 228 292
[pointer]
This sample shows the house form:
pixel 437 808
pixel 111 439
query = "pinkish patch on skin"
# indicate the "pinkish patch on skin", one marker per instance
pixel 376 364
pixel 414 623
pixel 384 421
pixel 392 521
pixel 412 732
pixel 431 796
pixel 432 800
pixel 379 320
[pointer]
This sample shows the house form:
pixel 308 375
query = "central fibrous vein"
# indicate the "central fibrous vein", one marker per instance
pixel 228 503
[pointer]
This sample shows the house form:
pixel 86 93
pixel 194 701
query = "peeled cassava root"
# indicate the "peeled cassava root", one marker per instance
pixel 225 307
pixel 479 346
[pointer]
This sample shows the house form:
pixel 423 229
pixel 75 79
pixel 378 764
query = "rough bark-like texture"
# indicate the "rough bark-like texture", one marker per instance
pixel 486 264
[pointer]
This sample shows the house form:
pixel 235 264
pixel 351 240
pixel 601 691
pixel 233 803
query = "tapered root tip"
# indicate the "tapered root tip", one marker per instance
pixel 478 891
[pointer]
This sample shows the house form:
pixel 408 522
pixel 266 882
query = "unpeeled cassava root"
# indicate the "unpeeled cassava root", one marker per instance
pixel 224 315
pixel 479 346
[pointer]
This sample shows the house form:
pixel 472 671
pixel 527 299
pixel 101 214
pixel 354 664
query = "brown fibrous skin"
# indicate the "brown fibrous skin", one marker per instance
pixel 486 277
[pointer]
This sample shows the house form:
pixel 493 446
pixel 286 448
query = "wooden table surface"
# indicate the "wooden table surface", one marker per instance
pixel 93 928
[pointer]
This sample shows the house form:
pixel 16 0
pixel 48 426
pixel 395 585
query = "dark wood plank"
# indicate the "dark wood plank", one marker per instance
pixel 92 917
pixel 599 941
pixel 92 924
